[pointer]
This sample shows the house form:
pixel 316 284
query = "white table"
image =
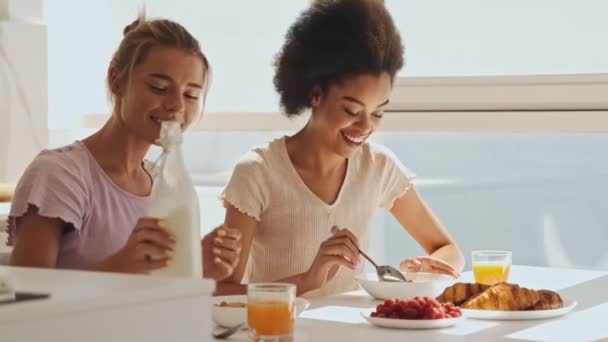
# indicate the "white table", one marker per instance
pixel 104 307
pixel 4 250
pixel 337 318
pixel 94 306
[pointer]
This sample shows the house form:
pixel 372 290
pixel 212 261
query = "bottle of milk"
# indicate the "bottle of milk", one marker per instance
pixel 174 198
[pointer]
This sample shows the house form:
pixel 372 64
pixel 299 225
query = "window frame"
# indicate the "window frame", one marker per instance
pixel 534 103
pixel 501 93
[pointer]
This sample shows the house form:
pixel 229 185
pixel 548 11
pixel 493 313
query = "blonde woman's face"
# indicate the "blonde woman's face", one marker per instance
pixel 348 113
pixel 168 85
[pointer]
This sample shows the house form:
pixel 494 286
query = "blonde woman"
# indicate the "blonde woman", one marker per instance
pixel 339 60
pixel 81 206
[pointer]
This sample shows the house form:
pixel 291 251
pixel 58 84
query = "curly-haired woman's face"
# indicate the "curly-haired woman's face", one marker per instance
pixel 349 112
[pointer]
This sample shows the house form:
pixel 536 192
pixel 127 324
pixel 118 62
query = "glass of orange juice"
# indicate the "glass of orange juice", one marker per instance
pixel 271 311
pixel 491 267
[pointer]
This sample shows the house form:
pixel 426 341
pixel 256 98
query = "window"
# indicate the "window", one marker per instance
pixel 490 38
pixel 467 56
pixel 237 36
pixel 481 56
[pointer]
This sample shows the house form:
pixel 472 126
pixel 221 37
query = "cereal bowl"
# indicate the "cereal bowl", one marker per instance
pixel 419 284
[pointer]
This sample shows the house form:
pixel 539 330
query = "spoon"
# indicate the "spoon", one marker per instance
pixel 228 332
pixel 384 272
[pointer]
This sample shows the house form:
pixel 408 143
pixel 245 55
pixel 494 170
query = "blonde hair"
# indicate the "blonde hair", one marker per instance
pixel 141 35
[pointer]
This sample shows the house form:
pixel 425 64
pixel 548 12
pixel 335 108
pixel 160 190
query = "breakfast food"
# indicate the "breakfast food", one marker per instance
pixel 461 292
pixel 549 300
pixel 501 297
pixel 416 308
pixel 231 305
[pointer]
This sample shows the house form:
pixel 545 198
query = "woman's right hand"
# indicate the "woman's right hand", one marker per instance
pixel 338 250
pixel 149 247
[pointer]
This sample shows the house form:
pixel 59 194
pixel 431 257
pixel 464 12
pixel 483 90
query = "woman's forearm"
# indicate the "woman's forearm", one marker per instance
pixel 226 288
pixel 301 282
pixel 108 264
pixel 451 254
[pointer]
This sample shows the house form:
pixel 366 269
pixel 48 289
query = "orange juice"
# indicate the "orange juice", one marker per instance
pixel 270 319
pixel 491 273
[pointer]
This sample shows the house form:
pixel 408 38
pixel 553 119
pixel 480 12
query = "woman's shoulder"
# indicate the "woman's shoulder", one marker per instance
pixel 380 159
pixel 71 159
pixel 384 162
pixel 56 184
pixel 251 183
pixel 263 157
pixel 376 154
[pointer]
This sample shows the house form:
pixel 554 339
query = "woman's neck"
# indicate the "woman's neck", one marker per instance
pixel 116 150
pixel 307 152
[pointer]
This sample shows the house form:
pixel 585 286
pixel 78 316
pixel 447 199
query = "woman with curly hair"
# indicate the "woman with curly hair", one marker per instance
pixel 339 60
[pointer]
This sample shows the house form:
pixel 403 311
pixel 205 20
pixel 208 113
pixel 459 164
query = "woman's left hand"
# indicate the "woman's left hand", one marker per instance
pixel 427 264
pixel 221 252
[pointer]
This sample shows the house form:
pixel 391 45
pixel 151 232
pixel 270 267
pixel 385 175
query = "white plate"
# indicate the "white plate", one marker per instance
pixel 422 285
pixel 569 305
pixel 230 317
pixel 411 323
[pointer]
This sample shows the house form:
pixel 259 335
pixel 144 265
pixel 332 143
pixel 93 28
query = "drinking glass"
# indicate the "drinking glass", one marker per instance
pixel 491 267
pixel 271 311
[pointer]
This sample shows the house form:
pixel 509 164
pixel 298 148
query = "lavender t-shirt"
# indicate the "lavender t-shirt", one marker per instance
pixel 67 183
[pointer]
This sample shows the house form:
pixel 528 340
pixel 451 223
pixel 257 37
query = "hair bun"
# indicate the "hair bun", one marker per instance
pixel 132 26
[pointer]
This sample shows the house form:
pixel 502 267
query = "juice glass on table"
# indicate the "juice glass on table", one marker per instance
pixel 491 267
pixel 271 311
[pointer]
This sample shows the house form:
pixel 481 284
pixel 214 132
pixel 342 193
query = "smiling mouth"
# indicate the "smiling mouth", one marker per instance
pixel 354 140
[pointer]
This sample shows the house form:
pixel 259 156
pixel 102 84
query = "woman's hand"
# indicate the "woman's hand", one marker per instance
pixel 338 250
pixel 149 247
pixel 221 252
pixel 427 264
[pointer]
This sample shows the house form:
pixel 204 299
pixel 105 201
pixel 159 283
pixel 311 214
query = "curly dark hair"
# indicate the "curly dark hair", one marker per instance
pixel 331 40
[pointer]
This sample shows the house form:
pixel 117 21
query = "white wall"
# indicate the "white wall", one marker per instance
pixel 23 86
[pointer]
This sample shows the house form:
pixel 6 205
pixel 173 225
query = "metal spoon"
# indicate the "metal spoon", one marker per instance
pixel 228 332
pixel 384 272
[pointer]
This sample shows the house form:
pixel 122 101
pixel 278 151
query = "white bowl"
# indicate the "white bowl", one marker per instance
pixel 422 285
pixel 230 317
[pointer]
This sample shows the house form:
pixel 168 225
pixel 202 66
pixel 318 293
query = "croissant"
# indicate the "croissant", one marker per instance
pixel 461 292
pixel 503 297
pixel 549 300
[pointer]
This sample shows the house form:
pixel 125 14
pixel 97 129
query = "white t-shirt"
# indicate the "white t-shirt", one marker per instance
pixel 293 221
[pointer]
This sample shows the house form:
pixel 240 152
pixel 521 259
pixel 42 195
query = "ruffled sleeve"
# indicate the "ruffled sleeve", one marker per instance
pixel 248 188
pixel 393 177
pixel 55 187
